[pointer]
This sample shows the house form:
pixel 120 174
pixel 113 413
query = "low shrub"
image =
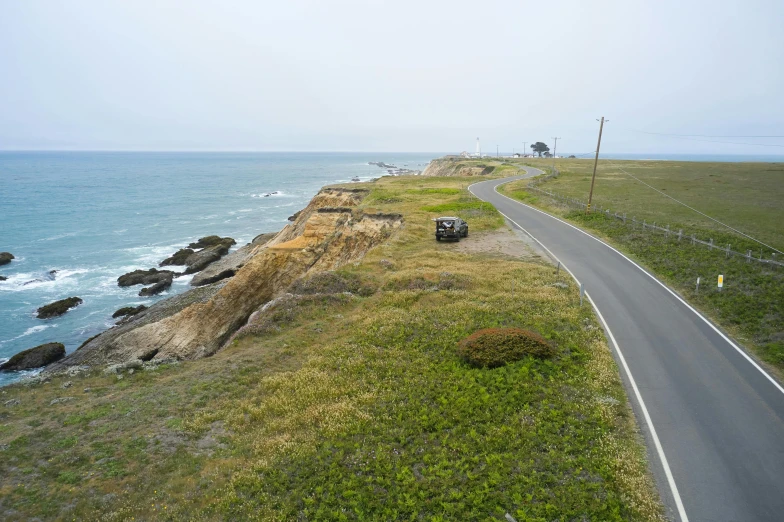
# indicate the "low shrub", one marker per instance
pixel 494 347
pixel 332 283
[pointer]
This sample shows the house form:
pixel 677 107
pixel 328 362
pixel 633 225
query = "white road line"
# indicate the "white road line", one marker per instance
pixel 676 296
pixel 638 396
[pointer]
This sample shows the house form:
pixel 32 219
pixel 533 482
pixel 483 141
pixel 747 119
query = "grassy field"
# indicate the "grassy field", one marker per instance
pixel 352 406
pixel 747 196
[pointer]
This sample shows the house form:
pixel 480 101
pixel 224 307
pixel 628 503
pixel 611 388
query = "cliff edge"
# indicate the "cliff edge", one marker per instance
pixel 330 232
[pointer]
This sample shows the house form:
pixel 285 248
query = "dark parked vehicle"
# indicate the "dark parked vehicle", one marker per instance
pixel 451 228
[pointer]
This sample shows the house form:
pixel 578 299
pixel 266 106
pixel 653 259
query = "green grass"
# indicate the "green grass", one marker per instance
pixel 356 408
pixel 746 196
pixel 751 304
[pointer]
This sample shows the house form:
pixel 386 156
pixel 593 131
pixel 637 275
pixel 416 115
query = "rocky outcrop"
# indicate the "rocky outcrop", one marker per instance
pixel 157 288
pixel 211 241
pixel 144 277
pixel 35 357
pixel 58 307
pixel 315 242
pixel 2 278
pixel 100 348
pixel 159 279
pixel 5 258
pixel 178 258
pixel 456 166
pixel 128 310
pixel 207 250
pixel 229 265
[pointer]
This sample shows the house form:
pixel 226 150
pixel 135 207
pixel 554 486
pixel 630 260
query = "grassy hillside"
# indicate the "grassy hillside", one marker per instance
pixel 745 195
pixel 351 406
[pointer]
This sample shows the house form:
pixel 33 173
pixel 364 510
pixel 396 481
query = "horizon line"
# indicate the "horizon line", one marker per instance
pixel 256 151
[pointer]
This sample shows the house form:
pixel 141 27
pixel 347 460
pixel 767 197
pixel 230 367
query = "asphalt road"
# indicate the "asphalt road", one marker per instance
pixel 713 420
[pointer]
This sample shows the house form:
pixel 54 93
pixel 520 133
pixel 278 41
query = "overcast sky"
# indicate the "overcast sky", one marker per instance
pixel 393 75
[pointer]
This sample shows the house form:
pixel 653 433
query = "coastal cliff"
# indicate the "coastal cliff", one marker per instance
pixel 330 232
pixel 458 166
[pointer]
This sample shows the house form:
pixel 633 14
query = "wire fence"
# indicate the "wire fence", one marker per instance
pixel 653 228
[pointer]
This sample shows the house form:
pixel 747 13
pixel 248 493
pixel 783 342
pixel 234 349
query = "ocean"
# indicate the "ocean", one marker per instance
pixel 93 216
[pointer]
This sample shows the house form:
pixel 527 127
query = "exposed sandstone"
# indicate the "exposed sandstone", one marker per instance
pixel 455 166
pixel 315 242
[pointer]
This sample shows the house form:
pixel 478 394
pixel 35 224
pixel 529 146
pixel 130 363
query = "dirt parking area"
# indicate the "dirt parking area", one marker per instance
pixel 507 242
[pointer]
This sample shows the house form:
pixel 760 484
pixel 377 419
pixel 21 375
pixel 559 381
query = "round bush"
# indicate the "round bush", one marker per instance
pixel 493 347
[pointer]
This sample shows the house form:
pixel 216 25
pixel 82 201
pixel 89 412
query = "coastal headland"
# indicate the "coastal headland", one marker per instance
pixel 324 378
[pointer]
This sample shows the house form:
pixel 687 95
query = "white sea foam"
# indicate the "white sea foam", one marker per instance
pixel 273 194
pixel 26 281
pixel 30 331
pixel 59 236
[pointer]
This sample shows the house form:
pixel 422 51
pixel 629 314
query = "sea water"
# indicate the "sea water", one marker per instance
pixel 76 221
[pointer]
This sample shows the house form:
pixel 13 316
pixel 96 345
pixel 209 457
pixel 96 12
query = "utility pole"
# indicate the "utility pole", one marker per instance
pixel 555 147
pixel 524 149
pixel 595 161
pixel 496 151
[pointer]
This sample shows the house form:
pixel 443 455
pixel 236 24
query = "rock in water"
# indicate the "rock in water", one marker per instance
pixel 3 278
pixel 35 357
pixel 126 311
pixel 209 241
pixel 144 277
pixel 58 307
pixel 157 288
pixel 229 265
pixel 178 258
pixel 6 257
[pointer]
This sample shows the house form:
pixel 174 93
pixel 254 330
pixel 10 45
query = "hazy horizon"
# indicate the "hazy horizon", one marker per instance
pixel 379 76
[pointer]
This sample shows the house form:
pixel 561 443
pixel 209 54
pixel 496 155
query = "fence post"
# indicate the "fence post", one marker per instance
pixel 680 234
pixel 711 244
pixel 728 250
pixel 697 289
pixel 667 233
pixel 748 256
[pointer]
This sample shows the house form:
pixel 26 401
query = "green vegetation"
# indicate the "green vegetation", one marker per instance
pixel 494 347
pixel 747 196
pixel 352 406
pixel 58 307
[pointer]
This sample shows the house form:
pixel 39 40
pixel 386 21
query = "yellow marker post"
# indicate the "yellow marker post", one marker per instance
pixel 721 282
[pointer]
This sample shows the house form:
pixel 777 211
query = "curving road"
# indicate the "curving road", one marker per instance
pixel 713 419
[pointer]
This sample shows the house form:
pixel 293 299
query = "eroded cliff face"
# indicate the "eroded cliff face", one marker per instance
pixel 455 166
pixel 330 232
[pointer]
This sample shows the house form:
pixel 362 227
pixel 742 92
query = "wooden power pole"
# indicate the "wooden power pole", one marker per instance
pixel 595 161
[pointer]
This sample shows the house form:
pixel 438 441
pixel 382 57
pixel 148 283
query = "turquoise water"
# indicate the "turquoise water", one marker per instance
pixel 93 216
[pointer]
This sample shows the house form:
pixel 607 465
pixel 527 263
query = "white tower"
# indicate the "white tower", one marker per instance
pixel 478 149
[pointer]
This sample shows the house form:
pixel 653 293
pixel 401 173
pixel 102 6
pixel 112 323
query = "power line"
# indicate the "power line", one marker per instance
pixel 695 210
pixel 701 135
pixel 693 137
